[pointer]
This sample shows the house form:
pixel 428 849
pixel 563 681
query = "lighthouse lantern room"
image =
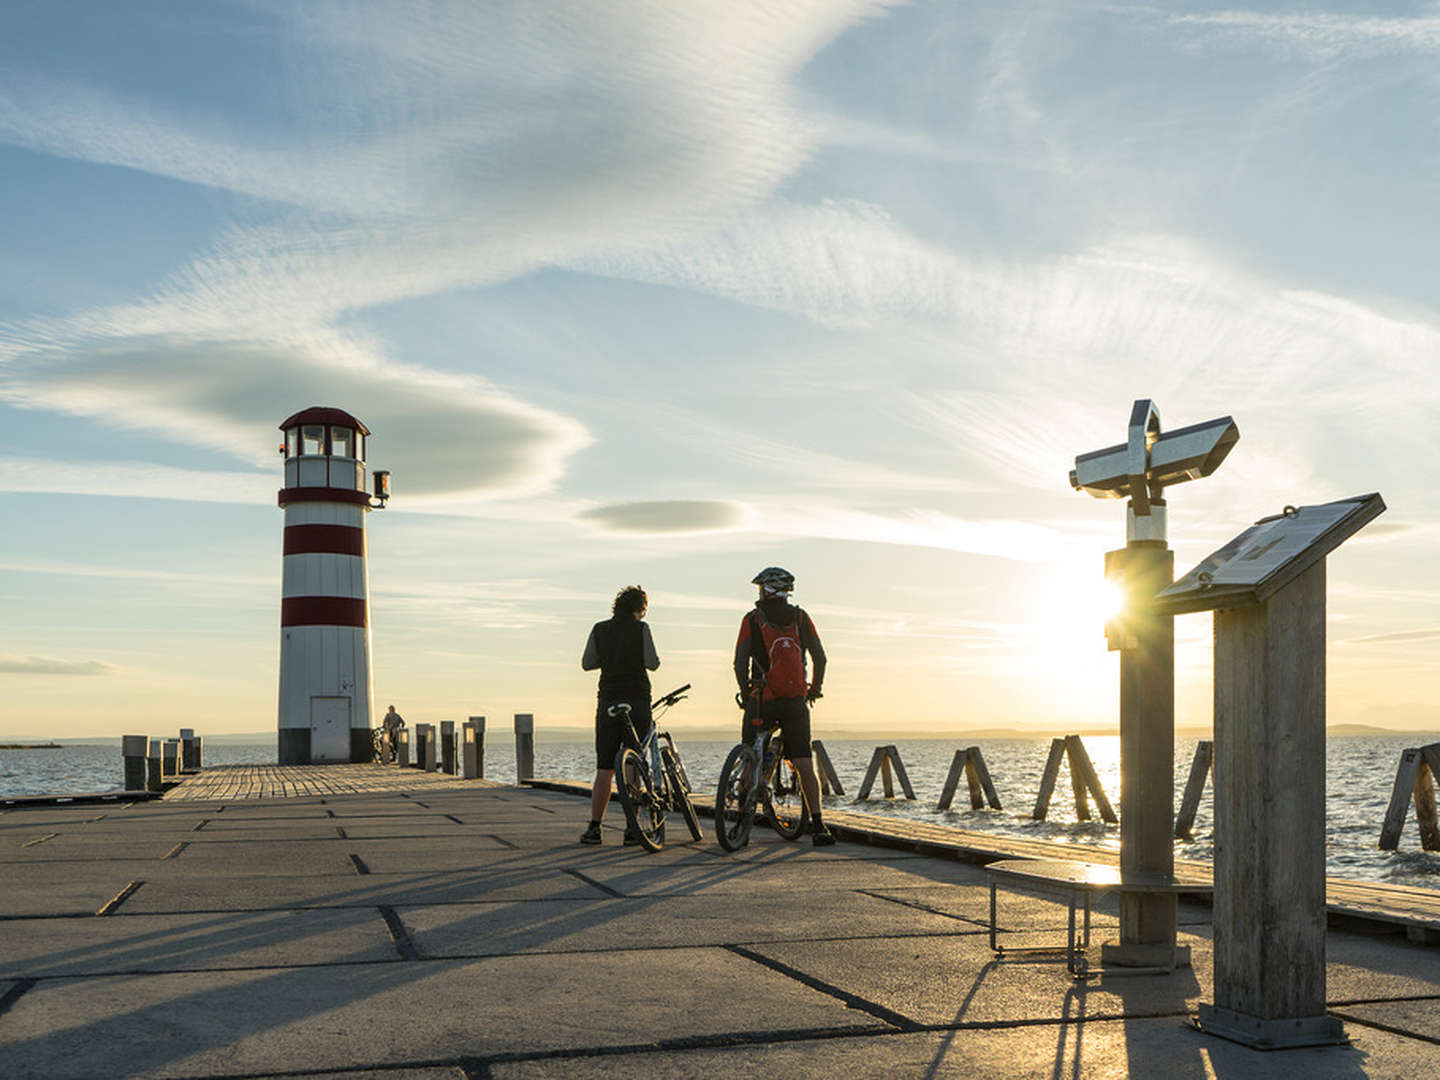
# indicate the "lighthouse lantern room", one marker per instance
pixel 324 606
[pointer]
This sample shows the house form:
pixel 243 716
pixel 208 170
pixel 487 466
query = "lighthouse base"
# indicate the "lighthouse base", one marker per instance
pixel 294 746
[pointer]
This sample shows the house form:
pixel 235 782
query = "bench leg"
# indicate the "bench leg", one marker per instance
pixel 993 946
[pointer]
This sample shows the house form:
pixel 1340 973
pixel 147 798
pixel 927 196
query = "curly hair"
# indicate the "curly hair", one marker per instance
pixel 631 599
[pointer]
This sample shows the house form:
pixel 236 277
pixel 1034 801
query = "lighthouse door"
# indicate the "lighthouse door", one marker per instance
pixel 329 729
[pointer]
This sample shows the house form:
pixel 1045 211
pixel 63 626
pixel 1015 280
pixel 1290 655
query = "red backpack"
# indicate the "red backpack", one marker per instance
pixel 784 659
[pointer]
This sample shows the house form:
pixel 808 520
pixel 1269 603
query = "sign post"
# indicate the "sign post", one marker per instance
pixel 1267 590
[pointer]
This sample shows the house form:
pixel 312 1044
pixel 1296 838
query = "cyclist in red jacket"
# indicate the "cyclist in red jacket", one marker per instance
pixel 770 668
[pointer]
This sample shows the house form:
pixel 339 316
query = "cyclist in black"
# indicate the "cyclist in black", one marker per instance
pixel 770 667
pixel 622 649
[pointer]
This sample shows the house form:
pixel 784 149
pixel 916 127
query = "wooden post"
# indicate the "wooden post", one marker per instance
pixel 1194 788
pixel 1077 778
pixel 975 765
pixel 1080 764
pixel 478 723
pixel 972 780
pixel 402 748
pixel 189 751
pixel 1426 777
pixel 1270 820
pixel 132 750
pixel 1147 758
pixel 447 747
pixel 887 779
pixel 952 780
pixel 524 746
pixel 170 757
pixel 1048 778
pixel 829 780
pixel 154 766
pixel 893 753
pixel 871 772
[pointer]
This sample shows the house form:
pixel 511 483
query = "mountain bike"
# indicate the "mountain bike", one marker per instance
pixel 759 773
pixel 651 778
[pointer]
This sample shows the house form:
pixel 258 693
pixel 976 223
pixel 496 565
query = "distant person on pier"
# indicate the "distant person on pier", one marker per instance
pixel 623 651
pixel 770 667
pixel 392 723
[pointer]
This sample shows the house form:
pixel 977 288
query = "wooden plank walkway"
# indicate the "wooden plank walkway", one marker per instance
pixel 223 783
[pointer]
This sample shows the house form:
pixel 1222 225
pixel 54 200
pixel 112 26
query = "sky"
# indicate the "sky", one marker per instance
pixel 664 293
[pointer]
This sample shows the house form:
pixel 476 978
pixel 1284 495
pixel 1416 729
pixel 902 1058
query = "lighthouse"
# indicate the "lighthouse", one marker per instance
pixel 324 605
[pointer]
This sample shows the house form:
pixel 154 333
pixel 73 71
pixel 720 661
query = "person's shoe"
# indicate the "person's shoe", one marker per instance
pixel 591 835
pixel 631 837
pixel 821 836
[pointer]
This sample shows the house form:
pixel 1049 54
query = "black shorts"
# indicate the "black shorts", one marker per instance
pixel 790 715
pixel 609 730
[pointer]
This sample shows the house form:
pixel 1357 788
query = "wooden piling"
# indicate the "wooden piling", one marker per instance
pixel 975 767
pixel 882 761
pixel 971 763
pixel 1080 765
pixel 1048 778
pixel 524 746
pixel 1194 789
pixel 829 779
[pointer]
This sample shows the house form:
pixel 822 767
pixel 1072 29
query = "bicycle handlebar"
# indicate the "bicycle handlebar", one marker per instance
pixel 671 698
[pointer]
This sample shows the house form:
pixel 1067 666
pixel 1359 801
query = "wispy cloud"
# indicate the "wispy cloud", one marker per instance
pixel 1316 34
pixel 44 665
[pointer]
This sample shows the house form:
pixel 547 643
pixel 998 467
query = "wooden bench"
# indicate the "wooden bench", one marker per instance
pixel 1078 882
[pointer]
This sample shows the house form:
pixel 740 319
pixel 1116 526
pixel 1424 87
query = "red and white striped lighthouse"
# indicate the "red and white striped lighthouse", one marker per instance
pixel 324 606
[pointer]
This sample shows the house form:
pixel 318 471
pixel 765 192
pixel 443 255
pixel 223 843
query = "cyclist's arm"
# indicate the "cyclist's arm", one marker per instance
pixel 652 660
pixel 591 660
pixel 742 656
pixel 810 638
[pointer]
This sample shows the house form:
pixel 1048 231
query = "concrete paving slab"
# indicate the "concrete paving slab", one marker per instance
pixel 1114 1050
pixel 956 979
pixel 66 888
pixel 234 892
pixel 308 1018
pixel 36 948
pixel 637 875
pixel 327 857
pixel 1420 1019
pixel 1358 966
pixel 633 924
pixel 72 846
pixel 419 856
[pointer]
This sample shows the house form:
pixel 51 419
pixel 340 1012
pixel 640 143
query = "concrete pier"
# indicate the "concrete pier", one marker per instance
pixel 456 929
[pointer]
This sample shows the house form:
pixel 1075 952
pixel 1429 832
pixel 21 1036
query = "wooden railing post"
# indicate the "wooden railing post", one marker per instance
pixel 524 746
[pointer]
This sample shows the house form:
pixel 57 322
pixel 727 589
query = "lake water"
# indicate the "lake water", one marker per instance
pixel 1360 775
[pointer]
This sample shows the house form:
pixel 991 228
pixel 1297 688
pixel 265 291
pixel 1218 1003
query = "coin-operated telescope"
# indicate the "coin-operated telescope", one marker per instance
pixel 1140 469
pixel 1148 462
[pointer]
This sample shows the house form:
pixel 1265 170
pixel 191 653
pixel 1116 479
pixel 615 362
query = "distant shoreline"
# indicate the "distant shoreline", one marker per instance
pixel 32 746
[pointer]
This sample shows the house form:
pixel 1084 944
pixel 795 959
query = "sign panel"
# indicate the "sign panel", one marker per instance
pixel 1268 555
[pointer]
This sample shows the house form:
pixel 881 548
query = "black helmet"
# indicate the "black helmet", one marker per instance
pixel 774 581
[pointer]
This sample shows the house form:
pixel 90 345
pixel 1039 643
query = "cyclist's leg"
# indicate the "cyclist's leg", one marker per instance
pixel 794 716
pixel 607 745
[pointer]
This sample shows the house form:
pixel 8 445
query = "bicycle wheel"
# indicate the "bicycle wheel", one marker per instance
pixel 680 791
pixel 643 812
pixel 734 807
pixel 785 807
